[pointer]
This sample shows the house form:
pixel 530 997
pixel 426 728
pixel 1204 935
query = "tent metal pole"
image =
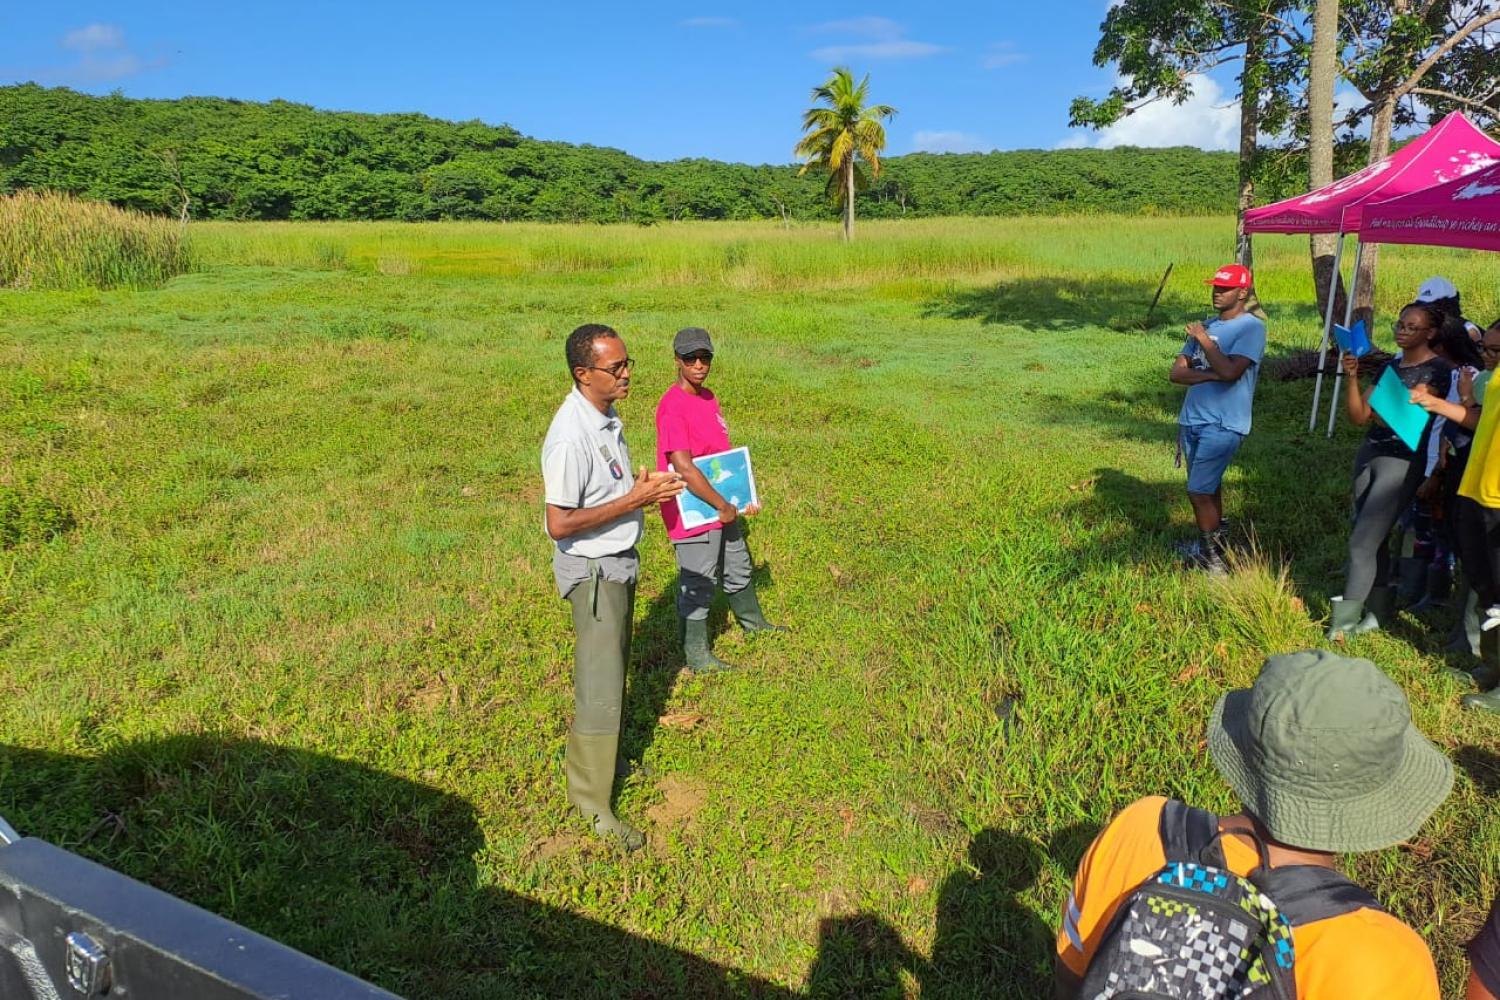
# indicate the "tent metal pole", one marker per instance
pixel 1338 375
pixel 1333 283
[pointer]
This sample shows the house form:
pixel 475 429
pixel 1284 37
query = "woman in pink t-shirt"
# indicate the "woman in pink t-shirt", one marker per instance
pixel 690 425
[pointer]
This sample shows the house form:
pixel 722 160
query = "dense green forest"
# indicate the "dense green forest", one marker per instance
pixel 242 160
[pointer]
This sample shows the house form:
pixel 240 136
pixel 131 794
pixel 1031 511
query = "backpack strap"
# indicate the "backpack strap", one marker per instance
pixel 1307 893
pixel 1189 834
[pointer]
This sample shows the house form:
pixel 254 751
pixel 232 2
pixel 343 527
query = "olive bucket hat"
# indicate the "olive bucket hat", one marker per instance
pixel 1322 750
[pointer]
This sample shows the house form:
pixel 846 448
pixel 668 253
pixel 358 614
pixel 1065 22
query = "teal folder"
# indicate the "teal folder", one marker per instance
pixel 1391 400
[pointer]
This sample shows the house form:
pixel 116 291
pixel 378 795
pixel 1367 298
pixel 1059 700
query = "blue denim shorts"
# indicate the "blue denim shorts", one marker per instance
pixel 1208 449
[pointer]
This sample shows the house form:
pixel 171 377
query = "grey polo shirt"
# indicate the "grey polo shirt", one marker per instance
pixel 585 463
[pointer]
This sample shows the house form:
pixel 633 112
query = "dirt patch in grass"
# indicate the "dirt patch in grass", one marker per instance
pixel 558 844
pixel 681 801
pixel 436 692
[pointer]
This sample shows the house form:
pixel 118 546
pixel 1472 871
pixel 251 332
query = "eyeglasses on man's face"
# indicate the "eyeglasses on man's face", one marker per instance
pixel 617 369
pixel 1490 350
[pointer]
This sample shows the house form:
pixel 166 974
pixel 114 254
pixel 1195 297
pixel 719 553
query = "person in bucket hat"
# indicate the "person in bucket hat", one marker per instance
pixel 1218 364
pixel 1324 758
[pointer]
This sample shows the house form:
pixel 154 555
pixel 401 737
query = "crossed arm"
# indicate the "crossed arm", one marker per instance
pixel 1221 367
pixel 1228 368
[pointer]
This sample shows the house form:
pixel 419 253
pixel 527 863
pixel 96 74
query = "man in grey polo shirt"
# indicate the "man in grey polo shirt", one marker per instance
pixel 593 513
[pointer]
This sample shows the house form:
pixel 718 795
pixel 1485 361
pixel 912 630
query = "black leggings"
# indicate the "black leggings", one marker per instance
pixel 1478 532
pixel 1384 486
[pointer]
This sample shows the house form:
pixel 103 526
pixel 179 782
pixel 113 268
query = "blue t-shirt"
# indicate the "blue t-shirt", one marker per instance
pixel 1225 403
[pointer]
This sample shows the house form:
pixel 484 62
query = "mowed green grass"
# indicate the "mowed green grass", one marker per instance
pixel 299 659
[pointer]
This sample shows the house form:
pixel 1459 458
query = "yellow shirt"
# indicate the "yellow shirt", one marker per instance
pixel 1362 955
pixel 1481 481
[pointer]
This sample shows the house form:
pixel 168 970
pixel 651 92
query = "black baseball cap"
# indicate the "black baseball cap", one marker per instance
pixel 690 340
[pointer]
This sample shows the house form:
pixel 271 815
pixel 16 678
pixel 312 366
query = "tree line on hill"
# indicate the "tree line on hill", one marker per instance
pixel 228 159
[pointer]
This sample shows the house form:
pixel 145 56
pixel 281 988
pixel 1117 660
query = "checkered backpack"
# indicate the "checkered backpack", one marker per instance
pixel 1197 930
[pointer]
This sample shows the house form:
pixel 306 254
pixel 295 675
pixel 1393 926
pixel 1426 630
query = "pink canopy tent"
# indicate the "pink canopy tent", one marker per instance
pixel 1453 148
pixel 1462 213
pixel 1450 149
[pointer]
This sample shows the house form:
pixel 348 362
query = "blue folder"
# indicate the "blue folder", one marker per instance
pixel 730 473
pixel 1391 400
pixel 1354 340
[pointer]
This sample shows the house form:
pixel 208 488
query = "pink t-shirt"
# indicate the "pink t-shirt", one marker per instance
pixel 685 422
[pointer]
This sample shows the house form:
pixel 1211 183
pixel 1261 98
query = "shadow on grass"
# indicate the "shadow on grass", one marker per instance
pixel 376 875
pixel 1068 302
pixel 371 873
pixel 1482 766
pixel 1288 488
pixel 1064 302
pixel 989 942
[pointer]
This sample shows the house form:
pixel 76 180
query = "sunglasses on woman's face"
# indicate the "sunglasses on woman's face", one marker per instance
pixel 697 357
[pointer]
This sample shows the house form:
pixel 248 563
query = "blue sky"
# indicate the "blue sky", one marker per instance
pixel 661 81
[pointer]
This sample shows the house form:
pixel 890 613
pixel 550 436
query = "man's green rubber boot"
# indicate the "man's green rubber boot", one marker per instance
pixel 1348 618
pixel 699 658
pixel 746 608
pixel 591 777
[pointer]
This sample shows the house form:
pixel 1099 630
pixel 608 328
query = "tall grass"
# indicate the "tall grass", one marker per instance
pixel 900 259
pixel 278 631
pixel 55 241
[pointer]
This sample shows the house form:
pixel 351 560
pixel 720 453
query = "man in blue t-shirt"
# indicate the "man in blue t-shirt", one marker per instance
pixel 1218 364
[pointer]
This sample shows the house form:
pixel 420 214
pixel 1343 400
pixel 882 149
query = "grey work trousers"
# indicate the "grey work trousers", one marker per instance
pixel 1384 486
pixel 602 616
pixel 704 560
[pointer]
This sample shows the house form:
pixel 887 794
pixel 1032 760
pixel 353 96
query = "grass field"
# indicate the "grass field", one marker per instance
pixel 278 633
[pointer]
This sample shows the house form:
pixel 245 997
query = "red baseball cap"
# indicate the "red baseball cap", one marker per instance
pixel 1230 276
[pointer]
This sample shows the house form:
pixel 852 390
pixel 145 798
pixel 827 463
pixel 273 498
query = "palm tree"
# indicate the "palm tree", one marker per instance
pixel 840 133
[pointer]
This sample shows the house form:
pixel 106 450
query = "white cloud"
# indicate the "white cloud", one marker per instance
pixel 939 141
pixel 92 37
pixel 875 38
pixel 710 22
pixel 1206 120
pixel 1002 54
pixel 100 55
